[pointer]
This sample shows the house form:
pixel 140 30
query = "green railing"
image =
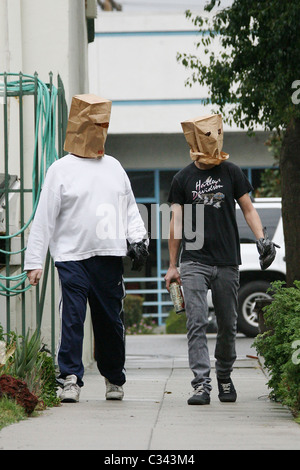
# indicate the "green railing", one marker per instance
pixel 48 109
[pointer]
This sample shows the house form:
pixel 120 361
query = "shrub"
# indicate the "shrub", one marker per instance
pixel 27 359
pixel 49 385
pixel 277 345
pixel 176 324
pixel 146 326
pixel 133 310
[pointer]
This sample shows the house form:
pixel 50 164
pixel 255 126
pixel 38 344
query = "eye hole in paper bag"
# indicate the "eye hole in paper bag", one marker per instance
pixel 102 124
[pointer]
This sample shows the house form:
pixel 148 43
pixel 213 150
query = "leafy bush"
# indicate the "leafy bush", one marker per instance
pixel 279 344
pixel 133 310
pixel 133 316
pixel 176 324
pixel 48 381
pixel 145 326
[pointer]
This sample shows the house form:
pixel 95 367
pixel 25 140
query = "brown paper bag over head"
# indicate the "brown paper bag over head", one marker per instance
pixel 87 126
pixel 205 138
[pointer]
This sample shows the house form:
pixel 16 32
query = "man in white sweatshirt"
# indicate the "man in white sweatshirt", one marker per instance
pixel 86 215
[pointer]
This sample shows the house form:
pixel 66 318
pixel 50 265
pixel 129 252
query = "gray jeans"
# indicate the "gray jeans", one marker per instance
pixel 223 281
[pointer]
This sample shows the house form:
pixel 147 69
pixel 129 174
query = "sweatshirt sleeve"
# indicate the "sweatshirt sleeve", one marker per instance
pixel 135 227
pixel 42 228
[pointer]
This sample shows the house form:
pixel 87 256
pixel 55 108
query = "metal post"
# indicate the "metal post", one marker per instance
pixel 6 186
pixel 158 245
pixel 36 183
pixel 22 195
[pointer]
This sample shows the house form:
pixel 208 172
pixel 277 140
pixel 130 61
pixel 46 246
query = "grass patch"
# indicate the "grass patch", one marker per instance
pixel 10 412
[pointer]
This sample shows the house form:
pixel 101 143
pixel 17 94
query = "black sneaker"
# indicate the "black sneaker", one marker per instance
pixel 227 392
pixel 200 397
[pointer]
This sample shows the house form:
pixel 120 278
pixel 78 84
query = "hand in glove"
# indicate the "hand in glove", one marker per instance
pixel 266 250
pixel 138 252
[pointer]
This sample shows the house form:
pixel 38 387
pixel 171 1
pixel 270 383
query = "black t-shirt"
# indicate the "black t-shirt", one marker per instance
pixel 218 189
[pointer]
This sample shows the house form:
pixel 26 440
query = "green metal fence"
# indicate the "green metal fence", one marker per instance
pixel 33 127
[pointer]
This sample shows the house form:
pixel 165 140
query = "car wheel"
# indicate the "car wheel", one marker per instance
pixel 248 294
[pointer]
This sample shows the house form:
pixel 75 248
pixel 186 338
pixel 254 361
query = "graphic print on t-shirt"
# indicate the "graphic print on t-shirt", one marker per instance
pixel 204 192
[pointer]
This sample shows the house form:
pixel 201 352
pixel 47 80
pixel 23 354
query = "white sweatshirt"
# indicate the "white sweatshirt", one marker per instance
pixel 86 209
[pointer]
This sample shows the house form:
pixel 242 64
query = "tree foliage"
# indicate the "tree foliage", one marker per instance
pixel 251 78
pixel 280 344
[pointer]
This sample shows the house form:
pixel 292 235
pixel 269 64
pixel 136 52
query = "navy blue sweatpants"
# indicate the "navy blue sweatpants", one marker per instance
pixel 98 280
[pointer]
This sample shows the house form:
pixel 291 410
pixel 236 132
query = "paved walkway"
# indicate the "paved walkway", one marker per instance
pixel 154 414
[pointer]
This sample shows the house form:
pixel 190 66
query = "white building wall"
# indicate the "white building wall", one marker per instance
pixel 44 36
pixel 133 63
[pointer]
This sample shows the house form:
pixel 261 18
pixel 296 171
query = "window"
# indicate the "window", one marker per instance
pixel 142 183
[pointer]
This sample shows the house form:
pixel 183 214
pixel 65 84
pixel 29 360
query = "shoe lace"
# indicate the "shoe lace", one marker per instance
pixel 70 386
pixel 114 388
pixel 199 389
pixel 226 387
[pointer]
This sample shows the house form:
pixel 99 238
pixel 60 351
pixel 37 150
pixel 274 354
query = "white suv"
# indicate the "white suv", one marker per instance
pixel 253 281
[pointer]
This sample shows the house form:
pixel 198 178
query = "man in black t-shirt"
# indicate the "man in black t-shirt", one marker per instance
pixel 217 184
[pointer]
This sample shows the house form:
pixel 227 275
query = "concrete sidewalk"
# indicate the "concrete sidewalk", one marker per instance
pixel 154 414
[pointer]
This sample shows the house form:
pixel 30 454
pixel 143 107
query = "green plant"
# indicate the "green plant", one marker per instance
pixel 9 338
pixel 27 359
pixel 133 310
pixel 27 363
pixel 277 346
pixel 48 381
pixel 176 324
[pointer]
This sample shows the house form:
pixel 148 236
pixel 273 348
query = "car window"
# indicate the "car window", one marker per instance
pixel 269 217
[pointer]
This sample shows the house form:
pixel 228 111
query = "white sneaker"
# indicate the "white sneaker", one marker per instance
pixel 113 392
pixel 71 390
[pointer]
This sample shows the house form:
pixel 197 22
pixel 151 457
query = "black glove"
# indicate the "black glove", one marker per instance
pixel 138 252
pixel 266 250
